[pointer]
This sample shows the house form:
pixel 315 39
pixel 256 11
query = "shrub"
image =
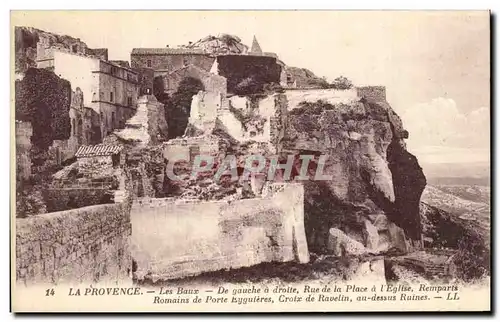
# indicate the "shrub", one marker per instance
pixel 29 201
pixel 248 86
pixel 273 88
pixel 473 258
pixel 319 82
pixel 341 83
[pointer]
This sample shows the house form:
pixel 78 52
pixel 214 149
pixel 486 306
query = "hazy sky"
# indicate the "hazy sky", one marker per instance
pixel 435 64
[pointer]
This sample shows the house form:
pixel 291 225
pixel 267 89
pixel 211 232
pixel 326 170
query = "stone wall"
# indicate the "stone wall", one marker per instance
pixel 183 148
pixel 204 107
pixel 174 239
pixel 68 198
pixel 237 68
pixel 84 245
pixel 81 130
pixel 376 93
pixel 211 82
pixel 164 63
pixel 24 131
pixel 332 96
pixel 95 166
pixel 146 79
pixel 157 124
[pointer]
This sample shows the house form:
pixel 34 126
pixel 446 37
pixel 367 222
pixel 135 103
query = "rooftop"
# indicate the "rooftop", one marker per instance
pixel 167 51
pixel 86 151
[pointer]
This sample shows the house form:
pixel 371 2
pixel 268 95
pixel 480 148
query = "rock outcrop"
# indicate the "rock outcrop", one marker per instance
pixel 374 191
pixel 442 229
pixel 222 44
pixel 370 168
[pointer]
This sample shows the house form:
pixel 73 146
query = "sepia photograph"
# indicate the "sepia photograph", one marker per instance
pixel 250 161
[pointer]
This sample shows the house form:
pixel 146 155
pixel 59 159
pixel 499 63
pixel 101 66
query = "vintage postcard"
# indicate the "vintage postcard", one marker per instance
pixel 250 161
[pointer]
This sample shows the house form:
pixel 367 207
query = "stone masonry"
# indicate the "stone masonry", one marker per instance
pixel 214 235
pixel 82 245
pixel 24 131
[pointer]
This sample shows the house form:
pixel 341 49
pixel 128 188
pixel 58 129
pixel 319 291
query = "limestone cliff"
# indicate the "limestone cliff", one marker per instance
pixel 372 172
pixel 28 39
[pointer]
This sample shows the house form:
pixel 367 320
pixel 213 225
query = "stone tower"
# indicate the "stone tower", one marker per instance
pixel 255 50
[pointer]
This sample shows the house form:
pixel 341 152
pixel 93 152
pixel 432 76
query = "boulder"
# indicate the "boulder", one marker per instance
pixel 342 245
pixel 397 238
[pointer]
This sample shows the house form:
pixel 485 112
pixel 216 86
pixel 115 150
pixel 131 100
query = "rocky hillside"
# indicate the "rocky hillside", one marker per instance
pixel 470 238
pixel 222 44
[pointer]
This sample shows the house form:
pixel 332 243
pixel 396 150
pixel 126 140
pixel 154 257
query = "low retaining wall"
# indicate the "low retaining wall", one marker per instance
pixel 332 96
pixel 175 239
pixel 87 244
pixel 60 199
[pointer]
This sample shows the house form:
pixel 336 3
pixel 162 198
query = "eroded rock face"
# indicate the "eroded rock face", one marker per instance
pixel 371 172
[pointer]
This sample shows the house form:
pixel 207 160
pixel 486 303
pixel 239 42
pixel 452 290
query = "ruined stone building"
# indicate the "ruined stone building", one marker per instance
pixel 238 69
pixel 109 89
pixel 85 129
pixel 224 56
pixel 94 160
pixel 211 82
pixel 166 60
pixel 31 44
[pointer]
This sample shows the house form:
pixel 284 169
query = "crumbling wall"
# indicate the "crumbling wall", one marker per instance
pixel 376 93
pixel 214 235
pixel 204 106
pixel 81 130
pixel 24 131
pixel 146 80
pixel 69 198
pixel 95 166
pixel 249 118
pixel 182 148
pixel 87 244
pixel 157 124
pixel 211 82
